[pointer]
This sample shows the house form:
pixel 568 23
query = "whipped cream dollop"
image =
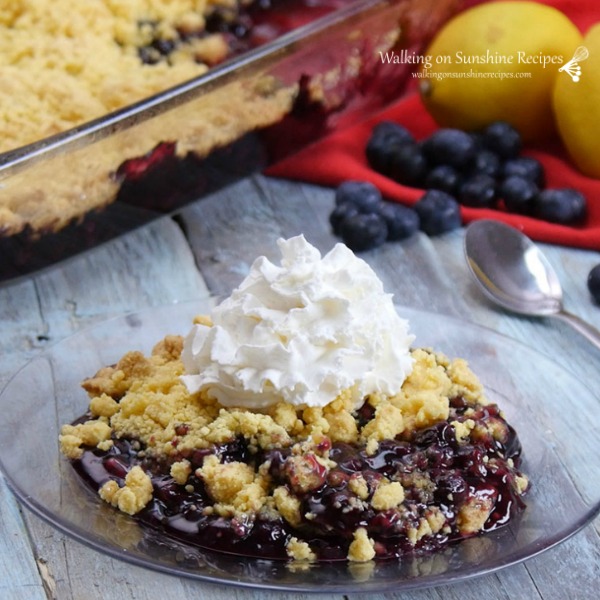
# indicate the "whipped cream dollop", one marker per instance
pixel 302 333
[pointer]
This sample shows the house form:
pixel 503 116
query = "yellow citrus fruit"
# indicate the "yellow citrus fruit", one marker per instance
pixel 577 105
pixel 498 61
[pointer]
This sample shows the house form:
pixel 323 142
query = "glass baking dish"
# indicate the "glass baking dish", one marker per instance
pixel 79 188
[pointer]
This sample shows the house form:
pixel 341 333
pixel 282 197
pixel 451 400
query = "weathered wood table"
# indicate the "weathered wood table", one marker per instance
pixel 210 246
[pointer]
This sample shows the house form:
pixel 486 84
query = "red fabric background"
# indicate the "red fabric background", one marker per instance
pixel 340 157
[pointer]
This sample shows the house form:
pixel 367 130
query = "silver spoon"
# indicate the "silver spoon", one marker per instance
pixel 513 272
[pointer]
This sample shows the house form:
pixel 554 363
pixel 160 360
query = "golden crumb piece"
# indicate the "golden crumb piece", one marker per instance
pixel 473 514
pixel 103 406
pixel 252 497
pixel 362 548
pixel 133 496
pixel 287 505
pixel 211 49
pixel 105 445
pixel 299 550
pixel 387 423
pixel 498 429
pixel 462 429
pixel 435 518
pixel 224 481
pixel 90 433
pixel 107 381
pixel 169 348
pixel 387 495
pixel 521 484
pixel 465 383
pixel 285 415
pixel 115 381
pixel 134 365
pixel 316 425
pixel 358 486
pixel 342 426
pixel 423 399
pixel 414 534
pixel 180 471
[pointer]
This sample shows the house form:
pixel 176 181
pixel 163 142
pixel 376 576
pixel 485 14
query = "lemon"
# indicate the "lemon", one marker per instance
pixel 498 61
pixel 577 105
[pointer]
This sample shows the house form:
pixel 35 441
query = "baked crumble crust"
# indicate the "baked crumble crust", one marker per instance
pixel 70 63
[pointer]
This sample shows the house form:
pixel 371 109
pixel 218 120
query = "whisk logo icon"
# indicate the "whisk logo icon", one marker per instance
pixel 572 67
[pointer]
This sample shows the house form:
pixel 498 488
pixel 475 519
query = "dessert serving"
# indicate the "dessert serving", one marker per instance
pixel 299 421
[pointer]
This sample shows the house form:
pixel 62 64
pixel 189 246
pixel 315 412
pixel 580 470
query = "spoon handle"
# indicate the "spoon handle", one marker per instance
pixel 585 329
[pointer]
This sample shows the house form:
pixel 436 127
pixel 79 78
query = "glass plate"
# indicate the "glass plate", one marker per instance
pixel 560 447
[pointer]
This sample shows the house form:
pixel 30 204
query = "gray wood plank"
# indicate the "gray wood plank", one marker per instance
pixel 19 575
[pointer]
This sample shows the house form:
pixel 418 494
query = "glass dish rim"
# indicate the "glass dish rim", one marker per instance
pixel 99 545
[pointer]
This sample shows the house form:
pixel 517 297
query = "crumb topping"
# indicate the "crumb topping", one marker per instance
pixel 143 397
pixel 133 496
pixel 58 58
pixel 362 548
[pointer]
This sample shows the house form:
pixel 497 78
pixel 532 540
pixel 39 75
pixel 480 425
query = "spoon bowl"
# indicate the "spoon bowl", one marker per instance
pixel 514 273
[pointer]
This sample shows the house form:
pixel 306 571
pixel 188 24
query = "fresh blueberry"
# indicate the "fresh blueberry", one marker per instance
pixel 487 163
pixel 438 212
pixel 478 141
pixel 442 177
pixel 503 139
pixel 363 231
pixel 386 139
pixel 525 167
pixel 564 206
pixel 478 191
pixel 408 166
pixel 390 131
pixel 449 147
pixel 593 283
pixel 364 195
pixel 339 214
pixel 518 194
pixel 401 221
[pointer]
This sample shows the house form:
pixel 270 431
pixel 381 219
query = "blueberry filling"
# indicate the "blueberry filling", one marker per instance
pixel 444 475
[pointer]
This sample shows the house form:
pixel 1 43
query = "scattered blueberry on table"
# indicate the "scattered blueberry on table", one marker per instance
pixel 481 169
pixel 364 220
pixel 503 139
pixel 564 206
pixel 593 283
pixel 518 193
pixel 439 212
pixel 450 147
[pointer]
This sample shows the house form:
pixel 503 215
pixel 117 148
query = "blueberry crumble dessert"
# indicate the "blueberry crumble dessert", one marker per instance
pixel 298 422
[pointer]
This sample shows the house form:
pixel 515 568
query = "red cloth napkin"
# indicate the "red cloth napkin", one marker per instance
pixel 341 156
